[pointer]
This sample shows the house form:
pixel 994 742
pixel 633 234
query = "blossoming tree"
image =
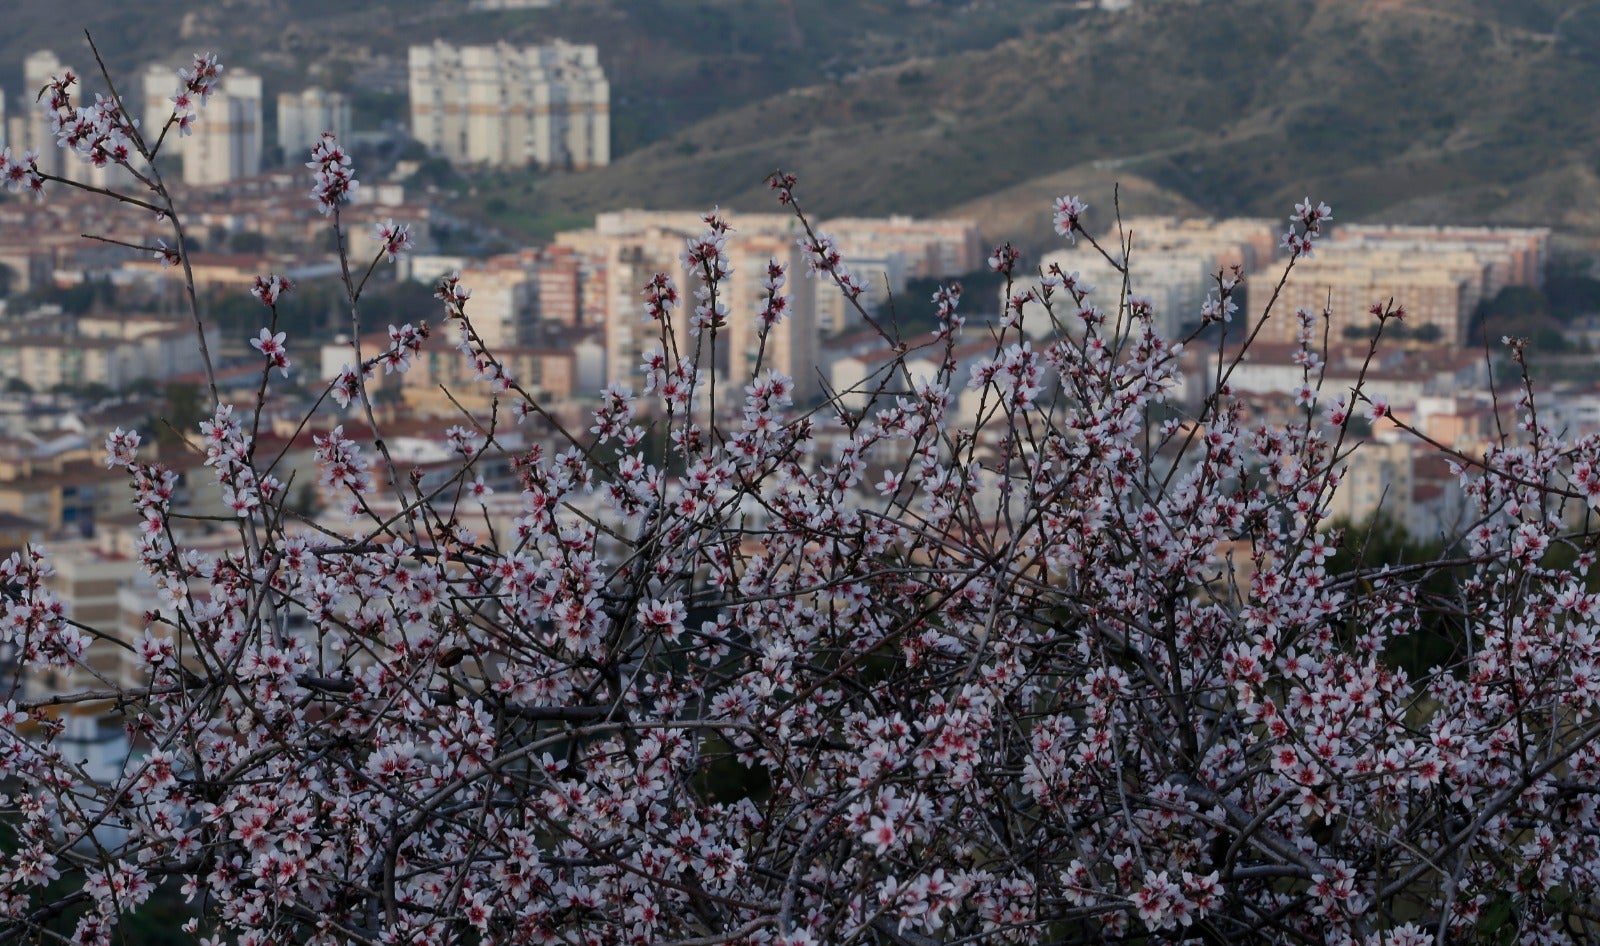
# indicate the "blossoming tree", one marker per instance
pixel 819 674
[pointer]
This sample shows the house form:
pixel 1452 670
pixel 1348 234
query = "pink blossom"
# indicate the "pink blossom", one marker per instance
pixel 1067 211
pixel 395 239
pixel 335 180
pixel 271 346
pixel 269 289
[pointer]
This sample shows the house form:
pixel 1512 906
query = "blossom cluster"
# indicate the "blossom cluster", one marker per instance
pixel 21 171
pixel 195 85
pixel 336 180
pixel 395 238
pixel 99 133
pixel 1058 659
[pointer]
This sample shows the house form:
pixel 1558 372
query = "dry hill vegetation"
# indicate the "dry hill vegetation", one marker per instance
pixel 1443 111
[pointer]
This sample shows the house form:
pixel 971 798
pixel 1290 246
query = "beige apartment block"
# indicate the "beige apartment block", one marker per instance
pixel 1247 241
pixel 89 579
pixel 507 106
pixel 1467 268
pixel 226 145
pixel 1439 274
pixel 937 249
pixel 626 263
pixel 1377 479
pixel 690 222
pixel 1349 283
pixel 158 84
pixel 790 346
pixel 1511 256
pixel 67 492
pixel 45 361
pixel 502 300
pixel 630 247
pixel 441 383
pixel 883 278
pixel 518 297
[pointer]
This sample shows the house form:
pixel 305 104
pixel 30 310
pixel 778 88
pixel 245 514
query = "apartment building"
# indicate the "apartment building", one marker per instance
pixel 29 128
pixel 884 252
pixel 628 248
pixel 89 578
pixel 1439 295
pixel 47 349
pixel 1439 274
pixel 441 382
pixel 226 144
pixel 621 264
pixel 1174 264
pixel 1511 256
pixel 502 306
pixel 507 106
pixel 26 127
pixel 226 141
pixel 304 116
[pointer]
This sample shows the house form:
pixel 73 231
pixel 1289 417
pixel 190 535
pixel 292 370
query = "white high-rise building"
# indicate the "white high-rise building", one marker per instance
pixel 226 144
pixel 226 141
pixel 29 127
pixel 503 106
pixel 158 84
pixel 37 70
pixel 304 116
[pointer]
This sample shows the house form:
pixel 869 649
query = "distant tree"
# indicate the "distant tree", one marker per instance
pixel 910 305
pixel 142 387
pixel 303 312
pixel 1572 292
pixel 1515 310
pixel 248 241
pixel 183 411
pixel 1437 641
pixel 435 172
pixel 1518 302
pixel 1550 339
pixel 74 298
pixel 89 391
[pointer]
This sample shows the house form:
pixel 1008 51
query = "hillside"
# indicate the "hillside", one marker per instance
pixel 670 62
pixel 1417 110
pixel 1401 109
